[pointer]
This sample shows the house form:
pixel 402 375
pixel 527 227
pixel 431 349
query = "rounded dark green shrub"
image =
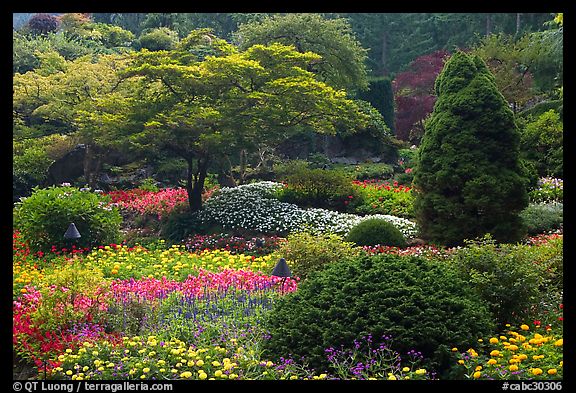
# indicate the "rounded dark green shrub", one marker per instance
pixel 543 217
pixel 423 305
pixel 376 231
pixel 44 217
pixel 180 224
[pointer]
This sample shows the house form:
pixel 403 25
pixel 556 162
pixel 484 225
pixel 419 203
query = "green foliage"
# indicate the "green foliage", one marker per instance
pixel 70 294
pixel 376 231
pixel 384 199
pixel 542 107
pixel 112 36
pixel 180 224
pixel 45 215
pixel 382 295
pixel 468 179
pixel 342 64
pixel 161 38
pixel 366 171
pixel 547 189
pixel 542 143
pixel 543 217
pixel 306 253
pixel 317 188
pixel 509 279
pixel 381 96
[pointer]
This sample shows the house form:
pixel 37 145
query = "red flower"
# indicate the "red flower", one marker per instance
pixel 537 322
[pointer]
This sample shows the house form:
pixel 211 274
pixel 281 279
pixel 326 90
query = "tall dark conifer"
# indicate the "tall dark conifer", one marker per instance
pixel 468 180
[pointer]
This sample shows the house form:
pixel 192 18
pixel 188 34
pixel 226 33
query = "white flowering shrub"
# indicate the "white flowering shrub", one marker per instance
pixel 255 207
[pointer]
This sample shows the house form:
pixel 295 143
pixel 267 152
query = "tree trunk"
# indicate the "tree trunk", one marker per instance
pixel 92 165
pixel 518 23
pixel 195 183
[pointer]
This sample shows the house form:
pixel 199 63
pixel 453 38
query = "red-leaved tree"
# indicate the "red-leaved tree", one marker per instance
pixel 414 94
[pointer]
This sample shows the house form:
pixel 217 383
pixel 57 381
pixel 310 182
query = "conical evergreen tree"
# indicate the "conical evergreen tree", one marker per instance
pixel 468 180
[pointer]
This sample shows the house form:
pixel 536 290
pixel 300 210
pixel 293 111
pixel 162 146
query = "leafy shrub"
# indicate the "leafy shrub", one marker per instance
pixel 306 253
pixel 548 189
pixel 384 295
pixel 365 171
pixel 44 217
pixel 504 276
pixel 317 188
pixel 383 198
pixel 542 143
pixel 180 223
pixel 543 217
pixel 161 38
pixel 376 231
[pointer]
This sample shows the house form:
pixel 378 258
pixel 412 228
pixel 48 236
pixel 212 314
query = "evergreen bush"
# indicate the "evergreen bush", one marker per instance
pixel 380 295
pixel 468 179
pixel 376 231
pixel 543 217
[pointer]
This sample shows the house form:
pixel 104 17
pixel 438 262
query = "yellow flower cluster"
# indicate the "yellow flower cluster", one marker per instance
pixel 530 353
pixel 173 263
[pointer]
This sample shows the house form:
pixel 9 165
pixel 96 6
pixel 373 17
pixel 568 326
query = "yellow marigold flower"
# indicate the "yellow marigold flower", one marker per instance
pixel 513 347
pixel 146 370
pixel 218 373
pixel 460 361
pixel 477 375
pixel 478 368
pixel 524 327
pixel 495 353
pixel 513 368
pixel 536 371
pixel 202 375
pixel 503 338
pixel 561 363
pixel 493 340
pixel 232 376
pixel 454 349
pixel 512 361
pixel 420 371
pixel 552 371
pixel 69 372
pixel 391 377
pixel 216 363
pixel 492 361
pixel 522 356
pixel 200 363
pixel 406 369
pixel 559 343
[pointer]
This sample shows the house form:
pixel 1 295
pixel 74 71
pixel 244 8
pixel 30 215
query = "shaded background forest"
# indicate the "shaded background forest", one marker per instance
pixel 391 62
